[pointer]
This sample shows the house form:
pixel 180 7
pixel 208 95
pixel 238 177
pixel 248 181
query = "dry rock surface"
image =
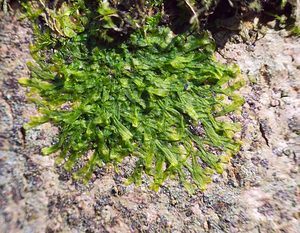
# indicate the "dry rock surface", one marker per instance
pixel 258 192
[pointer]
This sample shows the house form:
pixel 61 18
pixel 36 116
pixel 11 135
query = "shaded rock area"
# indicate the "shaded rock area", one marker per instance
pixel 258 192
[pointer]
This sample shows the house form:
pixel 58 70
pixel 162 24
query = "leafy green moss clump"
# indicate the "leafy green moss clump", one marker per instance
pixel 143 97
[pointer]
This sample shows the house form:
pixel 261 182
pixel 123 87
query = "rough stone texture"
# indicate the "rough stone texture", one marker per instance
pixel 258 192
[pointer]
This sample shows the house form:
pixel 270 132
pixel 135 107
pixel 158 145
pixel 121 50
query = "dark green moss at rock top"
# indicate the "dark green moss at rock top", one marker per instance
pixel 138 98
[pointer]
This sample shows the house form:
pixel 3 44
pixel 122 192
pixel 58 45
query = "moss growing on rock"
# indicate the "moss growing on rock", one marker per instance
pixel 142 97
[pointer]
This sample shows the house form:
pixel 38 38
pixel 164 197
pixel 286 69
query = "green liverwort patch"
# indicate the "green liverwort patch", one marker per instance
pixel 156 96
